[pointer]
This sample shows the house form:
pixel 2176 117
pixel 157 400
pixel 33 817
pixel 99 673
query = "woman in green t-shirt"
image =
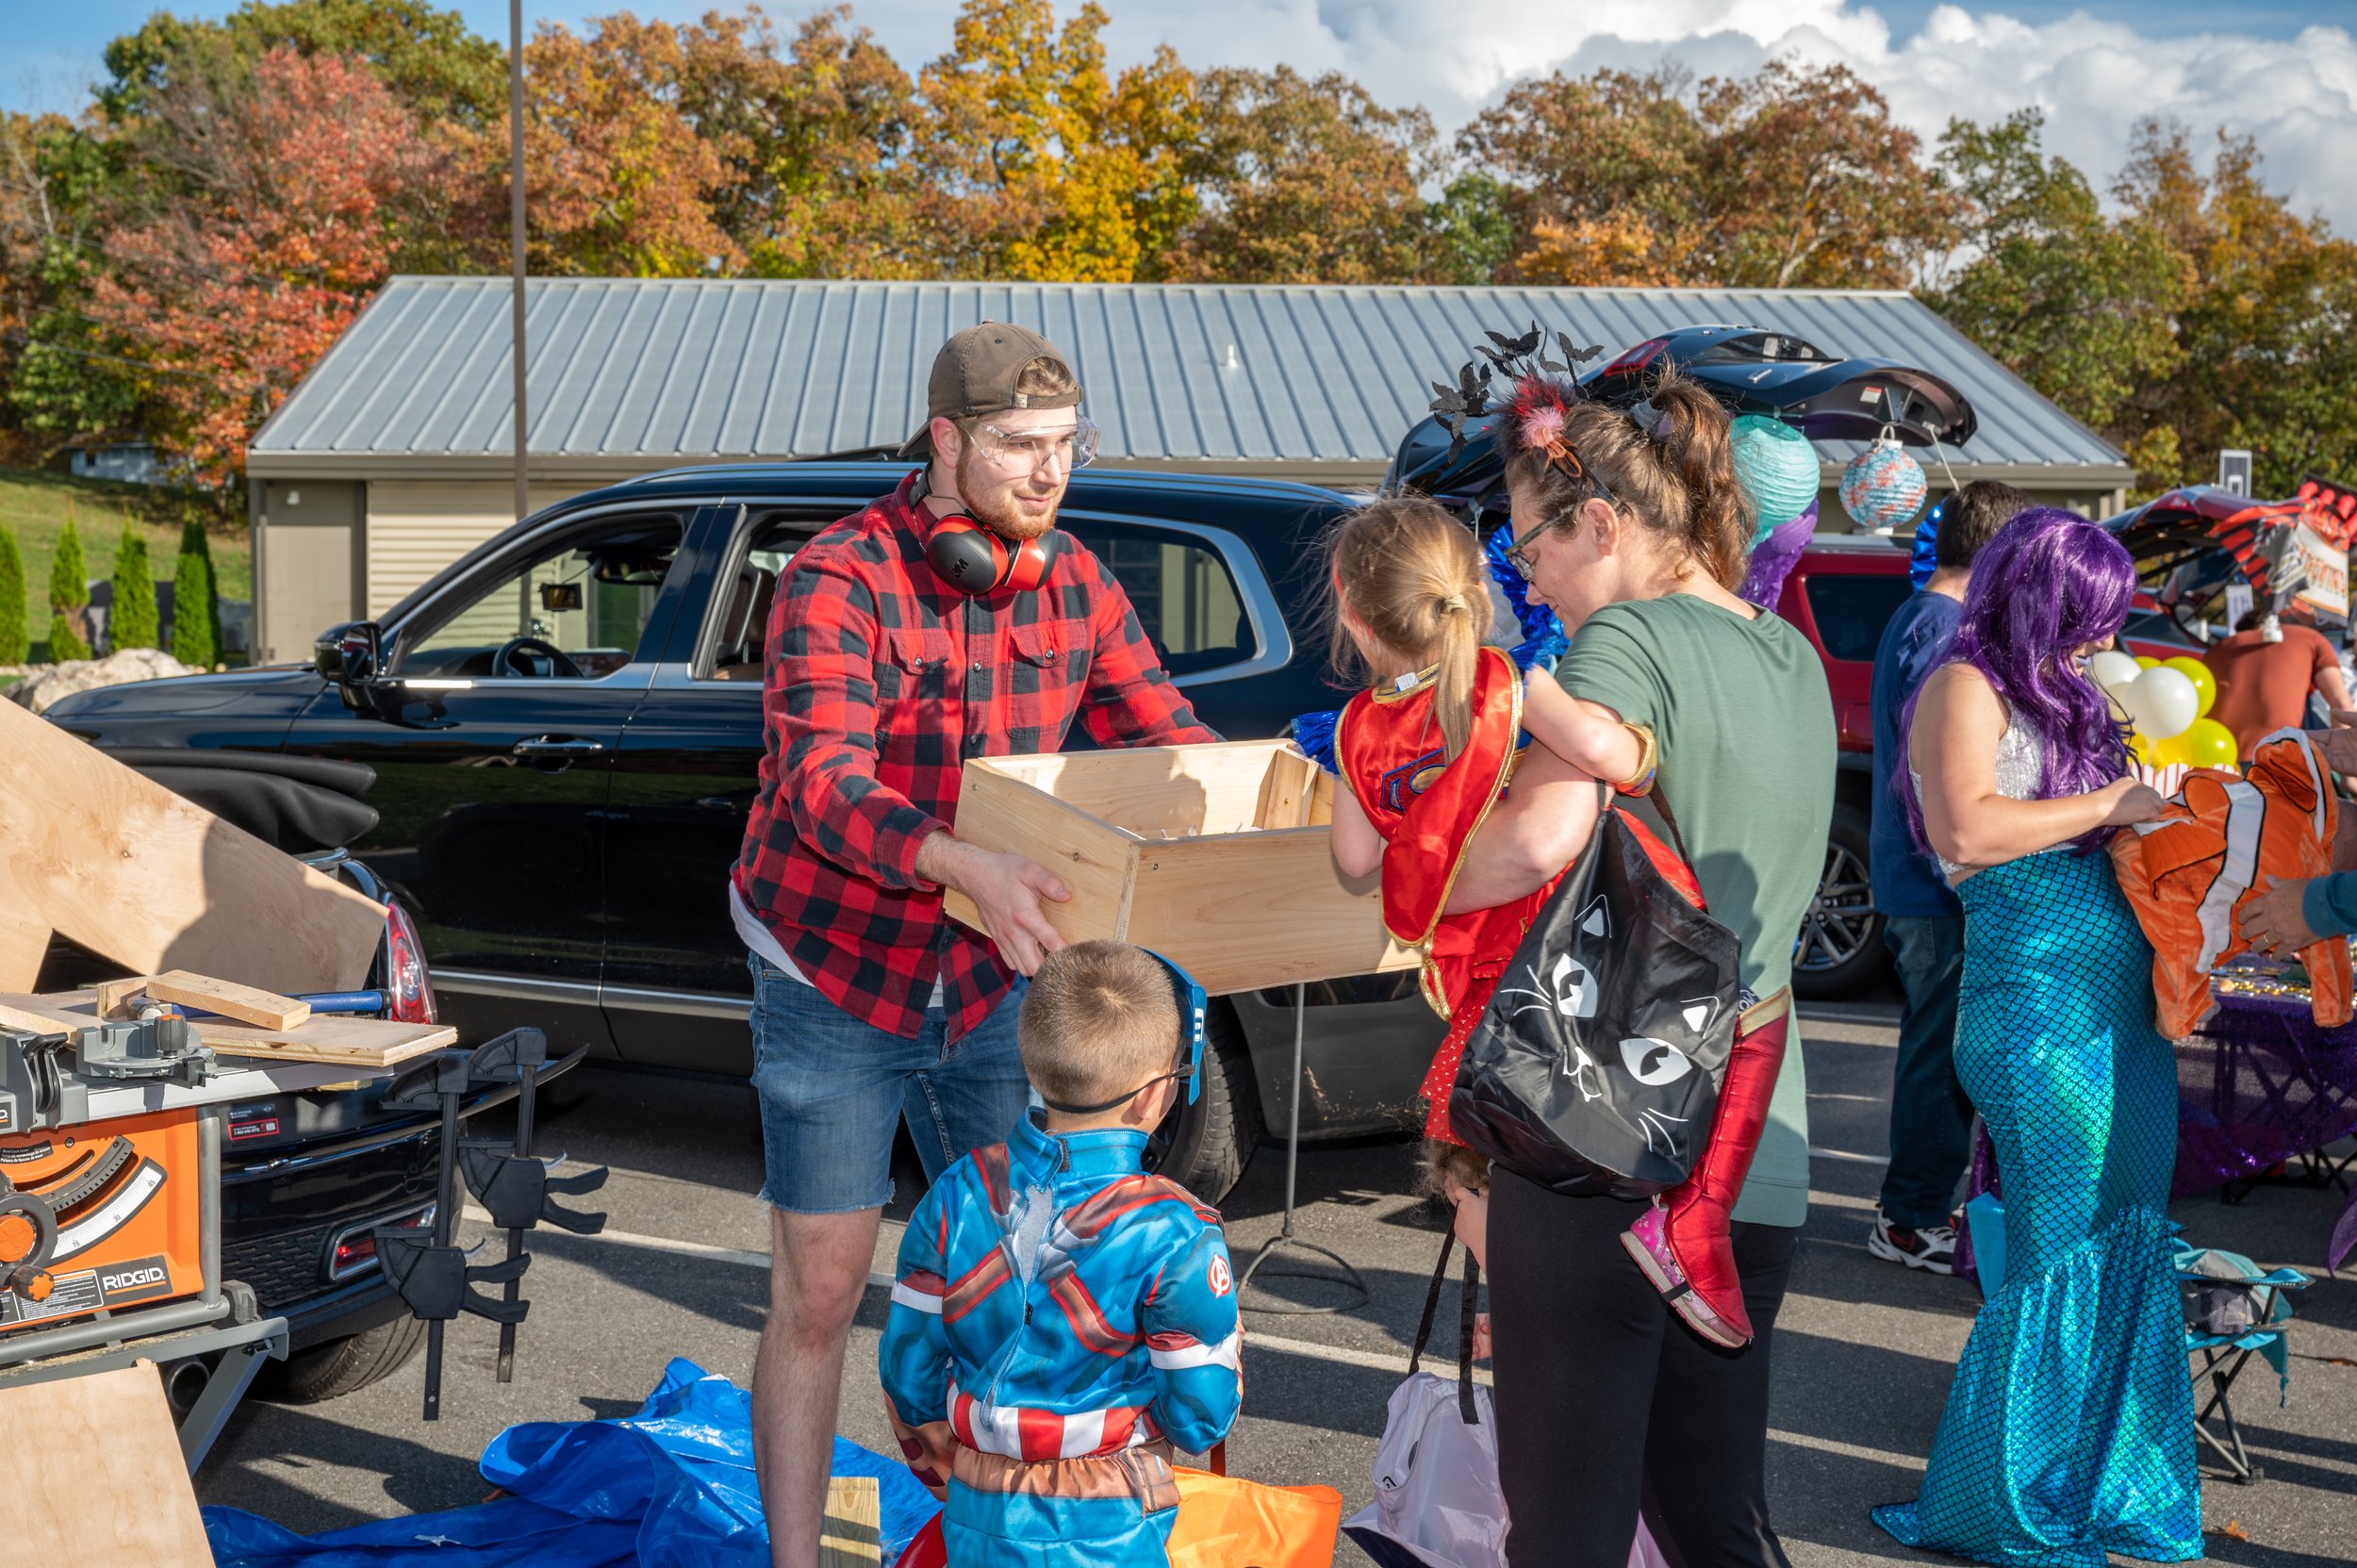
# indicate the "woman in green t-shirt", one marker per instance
pixel 1633 527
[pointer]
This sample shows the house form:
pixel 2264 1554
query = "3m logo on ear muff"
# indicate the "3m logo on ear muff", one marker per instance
pixel 975 561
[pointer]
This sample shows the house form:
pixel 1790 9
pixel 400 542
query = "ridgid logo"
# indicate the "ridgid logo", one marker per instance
pixel 135 1281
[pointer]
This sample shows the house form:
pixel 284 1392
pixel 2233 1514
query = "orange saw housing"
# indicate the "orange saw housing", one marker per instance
pixel 127 1196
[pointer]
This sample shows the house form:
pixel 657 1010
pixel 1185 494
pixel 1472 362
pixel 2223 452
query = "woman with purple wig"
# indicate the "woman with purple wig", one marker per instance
pixel 2069 1431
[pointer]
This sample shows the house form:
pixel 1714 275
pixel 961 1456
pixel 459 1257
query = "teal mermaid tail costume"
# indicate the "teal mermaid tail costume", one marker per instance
pixel 2069 1432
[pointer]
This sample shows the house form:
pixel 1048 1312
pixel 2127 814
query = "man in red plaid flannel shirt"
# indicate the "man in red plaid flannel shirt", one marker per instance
pixel 870 1005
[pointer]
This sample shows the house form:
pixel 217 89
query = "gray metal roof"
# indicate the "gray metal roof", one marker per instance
pixel 629 373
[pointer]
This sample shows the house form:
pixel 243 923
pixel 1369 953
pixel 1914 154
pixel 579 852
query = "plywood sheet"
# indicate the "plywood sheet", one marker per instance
pixel 336 1041
pixel 138 875
pixel 23 943
pixel 98 1473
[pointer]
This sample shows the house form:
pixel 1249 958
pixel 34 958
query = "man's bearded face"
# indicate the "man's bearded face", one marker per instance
pixel 1013 468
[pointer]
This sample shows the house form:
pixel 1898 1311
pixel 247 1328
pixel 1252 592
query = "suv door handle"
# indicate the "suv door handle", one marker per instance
pixel 557 746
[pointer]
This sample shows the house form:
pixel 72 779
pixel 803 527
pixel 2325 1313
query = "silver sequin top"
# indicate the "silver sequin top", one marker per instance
pixel 2020 770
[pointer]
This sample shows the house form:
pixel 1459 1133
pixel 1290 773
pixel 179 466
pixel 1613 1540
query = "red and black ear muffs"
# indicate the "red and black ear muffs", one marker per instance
pixel 974 560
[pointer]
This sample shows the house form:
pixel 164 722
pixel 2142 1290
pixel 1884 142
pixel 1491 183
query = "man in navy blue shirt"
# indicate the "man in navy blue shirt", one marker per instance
pixel 1931 1120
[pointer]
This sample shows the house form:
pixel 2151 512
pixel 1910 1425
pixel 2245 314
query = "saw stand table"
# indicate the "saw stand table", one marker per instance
pixel 1285 1237
pixel 217 1333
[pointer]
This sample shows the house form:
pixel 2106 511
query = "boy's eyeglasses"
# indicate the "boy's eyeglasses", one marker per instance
pixel 1192 1008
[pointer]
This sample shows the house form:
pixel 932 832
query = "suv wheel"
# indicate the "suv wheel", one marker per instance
pixel 1840 946
pixel 343 1366
pixel 1211 1140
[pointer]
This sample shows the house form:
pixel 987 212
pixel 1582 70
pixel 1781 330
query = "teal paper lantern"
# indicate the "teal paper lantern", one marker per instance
pixel 1777 468
pixel 1882 487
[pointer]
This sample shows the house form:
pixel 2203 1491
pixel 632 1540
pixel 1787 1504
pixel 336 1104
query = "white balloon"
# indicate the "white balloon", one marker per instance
pixel 2112 667
pixel 2164 702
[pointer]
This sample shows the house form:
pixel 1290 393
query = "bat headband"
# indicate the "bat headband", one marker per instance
pixel 1535 411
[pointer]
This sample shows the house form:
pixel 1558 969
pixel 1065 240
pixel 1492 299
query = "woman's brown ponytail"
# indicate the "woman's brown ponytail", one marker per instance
pixel 1696 438
pixel 1677 476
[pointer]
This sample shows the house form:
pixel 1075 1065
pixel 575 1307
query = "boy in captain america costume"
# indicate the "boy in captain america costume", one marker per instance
pixel 1062 1320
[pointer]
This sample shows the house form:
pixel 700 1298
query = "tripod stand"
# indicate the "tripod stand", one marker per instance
pixel 1285 1237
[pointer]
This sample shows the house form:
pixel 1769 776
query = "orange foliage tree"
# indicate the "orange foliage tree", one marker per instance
pixel 293 182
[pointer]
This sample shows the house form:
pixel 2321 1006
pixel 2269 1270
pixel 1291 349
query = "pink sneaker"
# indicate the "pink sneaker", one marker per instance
pixel 1648 1242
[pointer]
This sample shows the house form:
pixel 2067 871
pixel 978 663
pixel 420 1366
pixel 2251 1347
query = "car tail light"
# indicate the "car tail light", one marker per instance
pixel 353 1251
pixel 1639 358
pixel 407 985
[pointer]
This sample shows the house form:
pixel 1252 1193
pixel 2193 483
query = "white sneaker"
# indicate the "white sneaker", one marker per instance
pixel 1932 1249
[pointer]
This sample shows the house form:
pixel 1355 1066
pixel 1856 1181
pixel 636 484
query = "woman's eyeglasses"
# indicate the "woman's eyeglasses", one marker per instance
pixel 1520 559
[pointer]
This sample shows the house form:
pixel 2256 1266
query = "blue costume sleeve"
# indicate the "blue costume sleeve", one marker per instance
pixel 1195 1343
pixel 2330 904
pixel 914 1357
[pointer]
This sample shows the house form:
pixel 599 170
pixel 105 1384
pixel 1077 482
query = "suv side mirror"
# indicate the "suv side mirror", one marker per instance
pixel 351 654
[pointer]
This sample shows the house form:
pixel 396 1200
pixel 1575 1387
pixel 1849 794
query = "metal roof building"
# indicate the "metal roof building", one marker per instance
pixel 393 456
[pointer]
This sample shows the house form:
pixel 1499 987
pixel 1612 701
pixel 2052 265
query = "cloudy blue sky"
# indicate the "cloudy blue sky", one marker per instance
pixel 2284 70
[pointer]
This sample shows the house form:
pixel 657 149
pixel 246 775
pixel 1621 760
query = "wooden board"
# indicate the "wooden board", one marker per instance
pixel 336 1041
pixel 112 994
pixel 138 875
pixel 1005 813
pixel 853 1533
pixel 100 1478
pixel 246 1004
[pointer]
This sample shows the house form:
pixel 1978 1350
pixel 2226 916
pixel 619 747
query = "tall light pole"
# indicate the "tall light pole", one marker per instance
pixel 515 226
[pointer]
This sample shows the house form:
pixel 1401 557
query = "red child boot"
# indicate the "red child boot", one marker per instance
pixel 1681 1241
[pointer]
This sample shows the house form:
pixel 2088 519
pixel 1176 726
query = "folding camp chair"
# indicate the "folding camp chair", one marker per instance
pixel 2233 1310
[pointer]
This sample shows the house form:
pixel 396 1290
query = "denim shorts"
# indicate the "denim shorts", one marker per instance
pixel 832 1091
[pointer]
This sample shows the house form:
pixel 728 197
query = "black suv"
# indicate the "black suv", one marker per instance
pixel 565 724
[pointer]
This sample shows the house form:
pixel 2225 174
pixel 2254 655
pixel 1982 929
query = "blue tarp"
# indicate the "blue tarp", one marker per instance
pixel 670 1486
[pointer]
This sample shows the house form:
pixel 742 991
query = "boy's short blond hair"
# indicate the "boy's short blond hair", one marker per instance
pixel 1101 1018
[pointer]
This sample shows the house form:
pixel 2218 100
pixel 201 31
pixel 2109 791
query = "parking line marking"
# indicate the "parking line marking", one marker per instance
pixel 1846 1450
pixel 1844 1154
pixel 665 1244
pixel 1377 1360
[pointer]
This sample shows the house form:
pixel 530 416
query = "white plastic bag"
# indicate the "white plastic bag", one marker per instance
pixel 1437 1499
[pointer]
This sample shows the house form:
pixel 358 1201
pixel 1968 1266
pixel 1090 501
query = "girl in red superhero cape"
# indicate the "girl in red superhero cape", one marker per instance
pixel 1425 752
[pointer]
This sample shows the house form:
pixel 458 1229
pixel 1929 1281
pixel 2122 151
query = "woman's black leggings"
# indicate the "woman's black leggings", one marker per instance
pixel 1603 1397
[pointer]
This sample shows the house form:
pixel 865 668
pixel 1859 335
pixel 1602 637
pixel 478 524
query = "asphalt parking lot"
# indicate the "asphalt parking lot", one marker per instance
pixel 1863 1355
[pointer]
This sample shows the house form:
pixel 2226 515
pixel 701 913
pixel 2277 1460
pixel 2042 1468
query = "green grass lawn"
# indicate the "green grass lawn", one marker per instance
pixel 35 503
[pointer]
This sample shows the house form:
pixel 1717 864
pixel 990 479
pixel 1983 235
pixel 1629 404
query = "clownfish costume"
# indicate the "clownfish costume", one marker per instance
pixel 2188 874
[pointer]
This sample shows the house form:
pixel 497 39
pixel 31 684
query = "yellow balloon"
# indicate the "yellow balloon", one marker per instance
pixel 2170 753
pixel 2204 683
pixel 2141 750
pixel 2209 743
pixel 2146 661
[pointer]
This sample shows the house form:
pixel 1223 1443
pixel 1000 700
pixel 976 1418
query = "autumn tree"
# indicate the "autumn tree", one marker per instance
pixel 1793 177
pixel 2081 304
pixel 814 136
pixel 1038 162
pixel 2265 324
pixel 1307 180
pixel 1598 176
pixel 292 181
pixel 619 180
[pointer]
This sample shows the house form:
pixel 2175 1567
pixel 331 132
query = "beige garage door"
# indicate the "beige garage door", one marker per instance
pixel 417 527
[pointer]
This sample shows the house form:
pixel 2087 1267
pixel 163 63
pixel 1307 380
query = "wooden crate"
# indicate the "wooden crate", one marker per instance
pixel 1215 856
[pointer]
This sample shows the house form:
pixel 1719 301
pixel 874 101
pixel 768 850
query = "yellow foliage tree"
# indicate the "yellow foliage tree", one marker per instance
pixel 1041 164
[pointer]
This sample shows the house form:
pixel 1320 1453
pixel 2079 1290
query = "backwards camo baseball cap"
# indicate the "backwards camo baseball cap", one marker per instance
pixel 975 373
